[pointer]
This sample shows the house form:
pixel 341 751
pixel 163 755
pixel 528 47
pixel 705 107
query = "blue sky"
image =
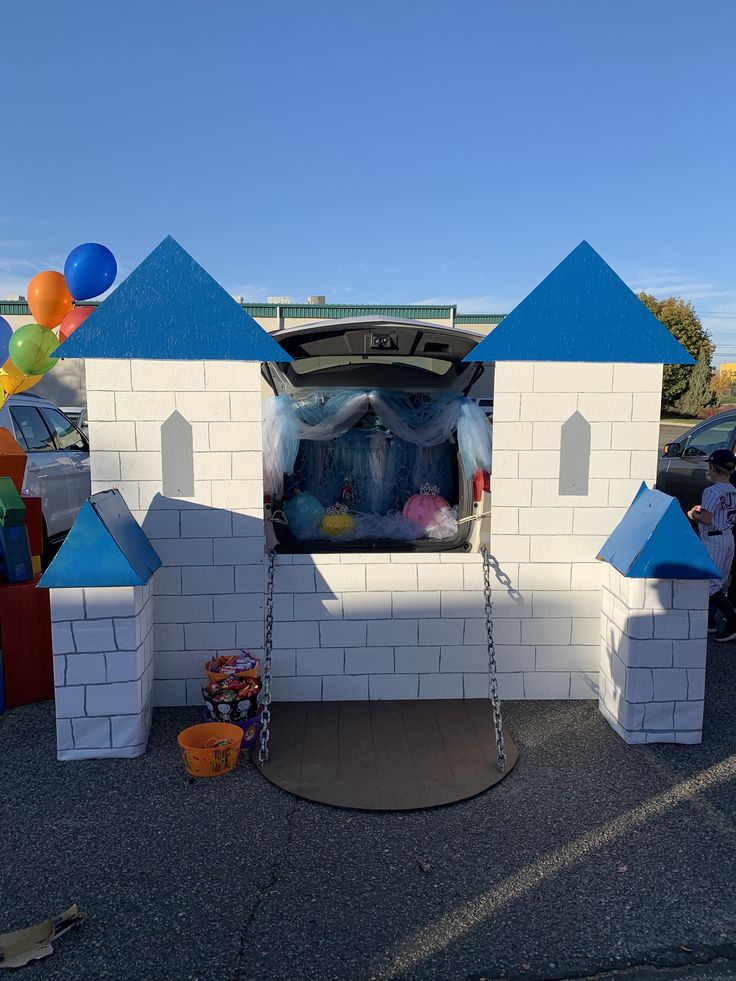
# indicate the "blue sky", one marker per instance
pixel 383 152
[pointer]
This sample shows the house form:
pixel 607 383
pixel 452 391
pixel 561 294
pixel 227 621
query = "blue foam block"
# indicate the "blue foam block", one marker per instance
pixel 582 311
pixel 654 540
pixel 170 309
pixel 105 547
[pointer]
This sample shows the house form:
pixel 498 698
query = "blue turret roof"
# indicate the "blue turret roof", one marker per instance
pixel 105 547
pixel 582 311
pixel 654 540
pixel 170 309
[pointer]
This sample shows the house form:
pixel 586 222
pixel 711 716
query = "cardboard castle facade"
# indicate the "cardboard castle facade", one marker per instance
pixel 174 403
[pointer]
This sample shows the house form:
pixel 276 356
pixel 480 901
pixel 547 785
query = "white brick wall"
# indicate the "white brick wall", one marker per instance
pixel 103 670
pixel 652 668
pixel 365 625
pixel 209 592
pixel 553 539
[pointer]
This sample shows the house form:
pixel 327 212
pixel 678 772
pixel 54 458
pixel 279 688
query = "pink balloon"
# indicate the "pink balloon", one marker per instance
pixel 72 320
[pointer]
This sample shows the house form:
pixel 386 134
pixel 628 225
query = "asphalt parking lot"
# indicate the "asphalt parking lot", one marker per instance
pixel 591 859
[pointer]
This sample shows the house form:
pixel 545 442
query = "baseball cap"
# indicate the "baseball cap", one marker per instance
pixel 724 459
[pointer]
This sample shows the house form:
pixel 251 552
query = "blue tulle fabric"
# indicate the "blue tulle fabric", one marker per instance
pixel 383 445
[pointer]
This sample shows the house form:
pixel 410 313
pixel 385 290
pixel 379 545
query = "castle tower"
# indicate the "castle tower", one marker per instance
pixel 174 407
pixel 578 388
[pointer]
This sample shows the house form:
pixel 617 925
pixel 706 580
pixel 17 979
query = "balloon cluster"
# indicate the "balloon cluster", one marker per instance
pixel 26 354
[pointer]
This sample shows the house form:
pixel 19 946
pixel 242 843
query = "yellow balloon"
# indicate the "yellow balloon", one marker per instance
pixel 13 381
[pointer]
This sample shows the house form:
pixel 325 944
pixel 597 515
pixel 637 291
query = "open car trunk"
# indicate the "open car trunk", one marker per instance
pixel 373 441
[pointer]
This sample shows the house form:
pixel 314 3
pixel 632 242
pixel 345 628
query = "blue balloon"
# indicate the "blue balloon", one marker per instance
pixel 89 270
pixel 6 332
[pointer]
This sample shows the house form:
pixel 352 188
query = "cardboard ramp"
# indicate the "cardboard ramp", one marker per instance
pixel 384 756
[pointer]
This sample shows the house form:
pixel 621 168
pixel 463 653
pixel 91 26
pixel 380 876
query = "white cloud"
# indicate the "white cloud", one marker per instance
pixel 470 304
pixel 252 292
pixel 670 281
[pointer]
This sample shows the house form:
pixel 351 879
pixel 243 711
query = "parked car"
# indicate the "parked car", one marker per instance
pixel 682 471
pixel 410 357
pixel 57 470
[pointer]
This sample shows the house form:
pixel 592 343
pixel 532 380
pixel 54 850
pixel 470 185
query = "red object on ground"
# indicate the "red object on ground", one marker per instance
pixel 34 523
pixel 25 640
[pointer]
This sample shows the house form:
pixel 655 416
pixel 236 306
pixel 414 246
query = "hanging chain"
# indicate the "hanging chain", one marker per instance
pixel 265 694
pixel 492 672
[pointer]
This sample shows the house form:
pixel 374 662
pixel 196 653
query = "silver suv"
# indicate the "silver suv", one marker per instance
pixel 57 470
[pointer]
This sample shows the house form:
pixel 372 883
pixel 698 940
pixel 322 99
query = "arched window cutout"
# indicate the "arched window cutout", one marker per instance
pixel 574 456
pixel 177 457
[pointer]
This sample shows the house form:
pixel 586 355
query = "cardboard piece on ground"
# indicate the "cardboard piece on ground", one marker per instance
pixel 31 944
pixel 12 458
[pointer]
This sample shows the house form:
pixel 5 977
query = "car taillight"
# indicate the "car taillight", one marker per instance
pixel 478 486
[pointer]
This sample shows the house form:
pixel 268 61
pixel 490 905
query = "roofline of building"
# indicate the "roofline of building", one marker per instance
pixel 331 311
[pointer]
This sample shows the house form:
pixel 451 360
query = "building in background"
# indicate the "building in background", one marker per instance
pixel 66 385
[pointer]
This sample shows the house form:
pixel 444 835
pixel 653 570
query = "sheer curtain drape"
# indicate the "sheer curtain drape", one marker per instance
pixel 420 421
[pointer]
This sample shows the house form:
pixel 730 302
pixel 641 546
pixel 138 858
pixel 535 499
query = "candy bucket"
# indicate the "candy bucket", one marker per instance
pixel 210 749
pixel 251 728
pixel 232 700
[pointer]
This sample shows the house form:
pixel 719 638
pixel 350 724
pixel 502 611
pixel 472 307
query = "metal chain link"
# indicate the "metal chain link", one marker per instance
pixel 265 694
pixel 492 671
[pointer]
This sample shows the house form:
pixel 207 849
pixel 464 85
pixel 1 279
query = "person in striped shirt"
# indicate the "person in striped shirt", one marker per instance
pixel 715 517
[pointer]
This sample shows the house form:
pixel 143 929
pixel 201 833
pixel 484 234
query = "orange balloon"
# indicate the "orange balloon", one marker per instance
pixel 49 298
pixel 13 381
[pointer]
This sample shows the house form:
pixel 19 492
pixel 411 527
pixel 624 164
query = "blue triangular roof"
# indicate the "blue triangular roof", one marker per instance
pixel 170 309
pixel 582 311
pixel 654 540
pixel 105 547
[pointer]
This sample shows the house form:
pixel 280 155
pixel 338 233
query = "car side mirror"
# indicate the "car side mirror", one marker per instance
pixel 672 449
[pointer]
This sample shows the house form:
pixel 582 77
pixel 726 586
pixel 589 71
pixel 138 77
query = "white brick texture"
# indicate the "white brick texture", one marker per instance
pixel 647 692
pixel 374 625
pixel 106 670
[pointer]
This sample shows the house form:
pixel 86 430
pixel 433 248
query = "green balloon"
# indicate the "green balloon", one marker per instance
pixel 31 347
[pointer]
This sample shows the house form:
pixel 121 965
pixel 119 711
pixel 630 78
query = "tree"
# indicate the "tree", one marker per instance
pixel 698 393
pixel 681 320
pixel 721 384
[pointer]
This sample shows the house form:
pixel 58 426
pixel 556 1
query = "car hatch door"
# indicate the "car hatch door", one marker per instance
pixel 374 352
